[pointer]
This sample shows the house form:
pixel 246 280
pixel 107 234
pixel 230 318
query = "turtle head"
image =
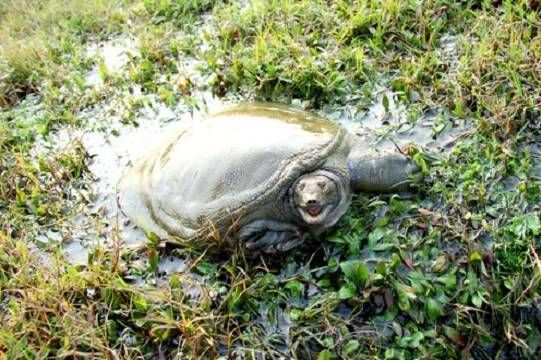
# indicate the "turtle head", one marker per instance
pixel 315 198
pixel 381 171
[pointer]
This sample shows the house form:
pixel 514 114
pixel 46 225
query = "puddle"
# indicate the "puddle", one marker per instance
pixel 534 148
pixel 115 55
pixel 111 146
pixel 171 264
pixel 76 253
pixel 385 125
pixel 448 53
pixel 112 143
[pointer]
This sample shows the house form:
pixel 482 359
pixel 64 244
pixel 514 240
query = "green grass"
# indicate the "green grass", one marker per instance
pixel 451 271
pixel 38 39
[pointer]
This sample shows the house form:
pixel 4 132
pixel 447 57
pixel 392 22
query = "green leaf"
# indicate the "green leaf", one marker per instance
pixel 350 347
pixel 325 355
pixel 417 279
pixel 160 333
pixel 153 238
pixel 324 283
pixel 140 303
pixel 398 205
pixel 140 322
pixel 390 353
pixel 111 297
pixel 295 314
pixel 381 268
pixel 385 102
pixel 418 158
pixel 205 268
pixel 395 261
pixel 448 280
pixel 328 342
pixel 405 294
pixel 381 222
pixel 347 291
pixel 403 302
pixel 332 265
pixel 492 211
pixel 475 257
pixel 355 272
pixel 295 288
pixel 153 258
pixel 416 339
pixel 383 247
pixel 235 299
pixel 477 300
pixel 439 264
pixel 433 309
pixel 455 336
pixel 337 239
pixel 533 223
pixel 120 283
pixel 111 330
pixel 20 197
pixel 374 237
pixel 175 282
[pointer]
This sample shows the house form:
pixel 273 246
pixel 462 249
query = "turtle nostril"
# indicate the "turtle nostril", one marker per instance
pixel 311 202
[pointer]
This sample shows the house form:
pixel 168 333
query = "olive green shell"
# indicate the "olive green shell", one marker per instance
pixel 235 166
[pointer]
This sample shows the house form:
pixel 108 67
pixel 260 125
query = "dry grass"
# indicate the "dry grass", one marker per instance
pixel 33 35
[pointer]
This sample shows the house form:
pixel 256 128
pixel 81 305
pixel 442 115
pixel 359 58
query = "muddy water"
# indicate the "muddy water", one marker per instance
pixel 386 127
pixel 114 55
pixel 112 144
pixel 112 149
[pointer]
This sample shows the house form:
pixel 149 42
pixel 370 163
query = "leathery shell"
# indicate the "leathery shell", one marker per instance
pixel 219 173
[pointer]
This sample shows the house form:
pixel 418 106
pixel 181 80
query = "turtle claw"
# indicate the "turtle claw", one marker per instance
pixel 270 236
pixel 290 244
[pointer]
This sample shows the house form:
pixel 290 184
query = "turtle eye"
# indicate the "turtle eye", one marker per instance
pixel 301 186
pixel 322 185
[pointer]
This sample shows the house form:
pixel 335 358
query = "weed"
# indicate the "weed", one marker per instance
pixel 451 271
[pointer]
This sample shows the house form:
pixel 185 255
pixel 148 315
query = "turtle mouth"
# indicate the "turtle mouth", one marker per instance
pixel 314 210
pixel 315 214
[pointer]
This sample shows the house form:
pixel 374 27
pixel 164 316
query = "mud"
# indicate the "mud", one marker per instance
pixel 112 143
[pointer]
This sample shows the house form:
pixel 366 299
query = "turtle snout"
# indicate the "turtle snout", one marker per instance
pixel 313 207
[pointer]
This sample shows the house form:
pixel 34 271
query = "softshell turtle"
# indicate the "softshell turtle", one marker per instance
pixel 263 174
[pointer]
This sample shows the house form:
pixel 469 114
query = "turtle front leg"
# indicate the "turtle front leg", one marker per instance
pixel 271 236
pixel 381 172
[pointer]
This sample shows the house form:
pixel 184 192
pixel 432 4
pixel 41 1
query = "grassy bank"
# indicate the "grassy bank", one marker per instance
pixel 450 271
